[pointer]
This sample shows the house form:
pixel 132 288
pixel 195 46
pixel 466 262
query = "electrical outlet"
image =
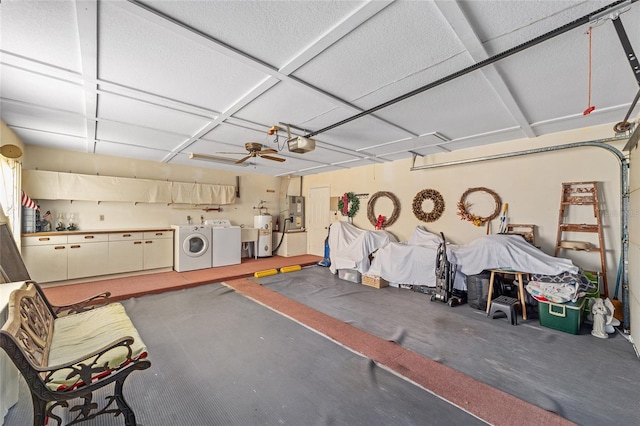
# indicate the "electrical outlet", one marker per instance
pixel 101 217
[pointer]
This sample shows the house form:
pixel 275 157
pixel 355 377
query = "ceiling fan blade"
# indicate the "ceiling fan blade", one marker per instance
pixel 242 160
pixel 235 153
pixel 268 151
pixel 269 157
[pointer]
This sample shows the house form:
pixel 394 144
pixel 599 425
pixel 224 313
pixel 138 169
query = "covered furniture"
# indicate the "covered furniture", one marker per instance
pixel 68 352
pixel 351 247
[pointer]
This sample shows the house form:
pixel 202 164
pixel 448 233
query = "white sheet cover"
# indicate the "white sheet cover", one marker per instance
pixel 507 252
pixel 350 246
pixel 414 262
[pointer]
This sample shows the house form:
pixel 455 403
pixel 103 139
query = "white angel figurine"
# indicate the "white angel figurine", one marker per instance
pixel 603 320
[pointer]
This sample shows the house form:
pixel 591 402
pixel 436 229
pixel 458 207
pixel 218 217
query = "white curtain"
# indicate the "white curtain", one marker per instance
pixel 10 195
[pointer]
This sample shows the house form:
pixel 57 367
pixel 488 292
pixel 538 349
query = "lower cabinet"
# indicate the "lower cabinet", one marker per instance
pixel 87 255
pixel 158 250
pixel 45 257
pixel 71 256
pixel 126 252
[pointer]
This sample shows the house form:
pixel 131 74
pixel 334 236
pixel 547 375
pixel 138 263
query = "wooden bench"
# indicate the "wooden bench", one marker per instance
pixel 69 352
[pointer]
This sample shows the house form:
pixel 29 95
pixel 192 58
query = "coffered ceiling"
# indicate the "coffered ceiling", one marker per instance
pixel 159 80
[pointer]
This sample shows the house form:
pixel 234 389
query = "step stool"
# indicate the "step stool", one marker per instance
pixel 506 305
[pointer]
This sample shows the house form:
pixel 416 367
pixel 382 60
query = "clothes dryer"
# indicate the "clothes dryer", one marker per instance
pixel 225 242
pixel 192 247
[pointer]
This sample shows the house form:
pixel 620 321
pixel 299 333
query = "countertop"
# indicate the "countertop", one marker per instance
pixel 96 231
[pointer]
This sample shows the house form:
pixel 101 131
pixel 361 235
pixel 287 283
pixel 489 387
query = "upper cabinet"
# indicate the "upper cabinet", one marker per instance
pixel 47 185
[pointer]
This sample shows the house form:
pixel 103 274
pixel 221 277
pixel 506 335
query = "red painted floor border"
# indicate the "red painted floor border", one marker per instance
pixel 485 402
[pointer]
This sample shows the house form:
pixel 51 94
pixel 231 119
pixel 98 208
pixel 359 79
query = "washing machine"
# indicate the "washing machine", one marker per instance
pixel 225 242
pixel 192 247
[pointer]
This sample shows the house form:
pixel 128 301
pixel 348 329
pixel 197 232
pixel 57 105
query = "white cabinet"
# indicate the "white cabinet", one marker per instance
pixel 293 243
pixel 158 250
pixel 50 257
pixel 126 252
pixel 87 255
pixel 45 257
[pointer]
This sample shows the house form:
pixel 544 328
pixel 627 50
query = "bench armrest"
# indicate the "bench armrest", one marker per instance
pixel 82 305
pixel 91 368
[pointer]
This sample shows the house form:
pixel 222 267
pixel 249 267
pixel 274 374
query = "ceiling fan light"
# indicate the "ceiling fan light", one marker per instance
pixel 216 159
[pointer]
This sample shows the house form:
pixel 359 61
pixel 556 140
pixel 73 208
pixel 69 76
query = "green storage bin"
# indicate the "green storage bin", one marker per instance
pixel 565 317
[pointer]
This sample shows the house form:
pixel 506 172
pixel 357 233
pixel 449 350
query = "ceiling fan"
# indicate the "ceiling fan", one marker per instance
pixel 255 150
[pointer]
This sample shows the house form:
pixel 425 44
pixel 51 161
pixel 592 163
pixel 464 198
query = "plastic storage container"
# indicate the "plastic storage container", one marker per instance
pixel 350 275
pixel 567 317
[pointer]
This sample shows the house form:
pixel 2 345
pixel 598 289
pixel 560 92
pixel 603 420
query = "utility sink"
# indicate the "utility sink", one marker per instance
pixel 249 235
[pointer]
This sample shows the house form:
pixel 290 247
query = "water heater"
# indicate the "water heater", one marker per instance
pixel 264 223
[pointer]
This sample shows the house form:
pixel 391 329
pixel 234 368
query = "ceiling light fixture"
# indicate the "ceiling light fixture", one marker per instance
pixel 216 159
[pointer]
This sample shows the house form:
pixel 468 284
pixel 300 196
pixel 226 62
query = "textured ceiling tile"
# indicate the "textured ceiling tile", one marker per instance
pixel 59 141
pixel 138 152
pixel 502 25
pixel 460 107
pixel 46 120
pixel 286 103
pixel 43 30
pixel 33 88
pixel 137 53
pixel 271 31
pixel 403 39
pixel 119 108
pixel 140 136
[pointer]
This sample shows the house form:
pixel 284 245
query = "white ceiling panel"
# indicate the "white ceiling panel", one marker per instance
pixel 45 31
pixel 454 109
pixel 534 86
pixel 139 136
pixel 239 135
pixel 29 87
pixel 137 152
pixel 270 31
pixel 286 103
pixel 159 62
pixel 412 144
pixel 126 110
pixel 328 155
pixel 366 131
pixel 403 39
pixel 48 139
pixel 502 25
pixel 48 120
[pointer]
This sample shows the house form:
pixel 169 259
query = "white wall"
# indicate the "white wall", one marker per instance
pixel 253 188
pixel 530 184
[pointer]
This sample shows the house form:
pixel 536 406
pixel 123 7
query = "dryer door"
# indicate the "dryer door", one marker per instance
pixel 195 245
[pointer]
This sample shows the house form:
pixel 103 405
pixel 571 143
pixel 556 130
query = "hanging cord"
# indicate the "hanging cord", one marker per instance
pixel 590 107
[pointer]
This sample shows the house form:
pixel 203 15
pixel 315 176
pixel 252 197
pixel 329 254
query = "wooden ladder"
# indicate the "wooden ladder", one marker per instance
pixel 582 194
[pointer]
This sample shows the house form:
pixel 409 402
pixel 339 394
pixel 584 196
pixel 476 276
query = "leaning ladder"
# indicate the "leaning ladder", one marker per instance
pixel 582 194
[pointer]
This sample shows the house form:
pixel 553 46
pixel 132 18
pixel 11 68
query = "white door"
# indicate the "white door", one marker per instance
pixel 319 219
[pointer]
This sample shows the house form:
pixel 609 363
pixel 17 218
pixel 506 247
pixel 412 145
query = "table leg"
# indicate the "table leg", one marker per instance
pixel 493 274
pixel 522 299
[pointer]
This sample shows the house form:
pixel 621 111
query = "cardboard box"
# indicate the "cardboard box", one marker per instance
pixel 350 275
pixel 567 317
pixel 374 281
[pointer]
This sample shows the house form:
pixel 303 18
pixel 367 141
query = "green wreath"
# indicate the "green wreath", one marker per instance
pixel 353 201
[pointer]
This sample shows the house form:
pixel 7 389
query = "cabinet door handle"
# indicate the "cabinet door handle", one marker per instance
pixel 44 239
pixel 58 248
pixel 126 235
pixel 88 237
pixel 75 246
pixel 148 242
pixel 159 234
pixel 137 242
